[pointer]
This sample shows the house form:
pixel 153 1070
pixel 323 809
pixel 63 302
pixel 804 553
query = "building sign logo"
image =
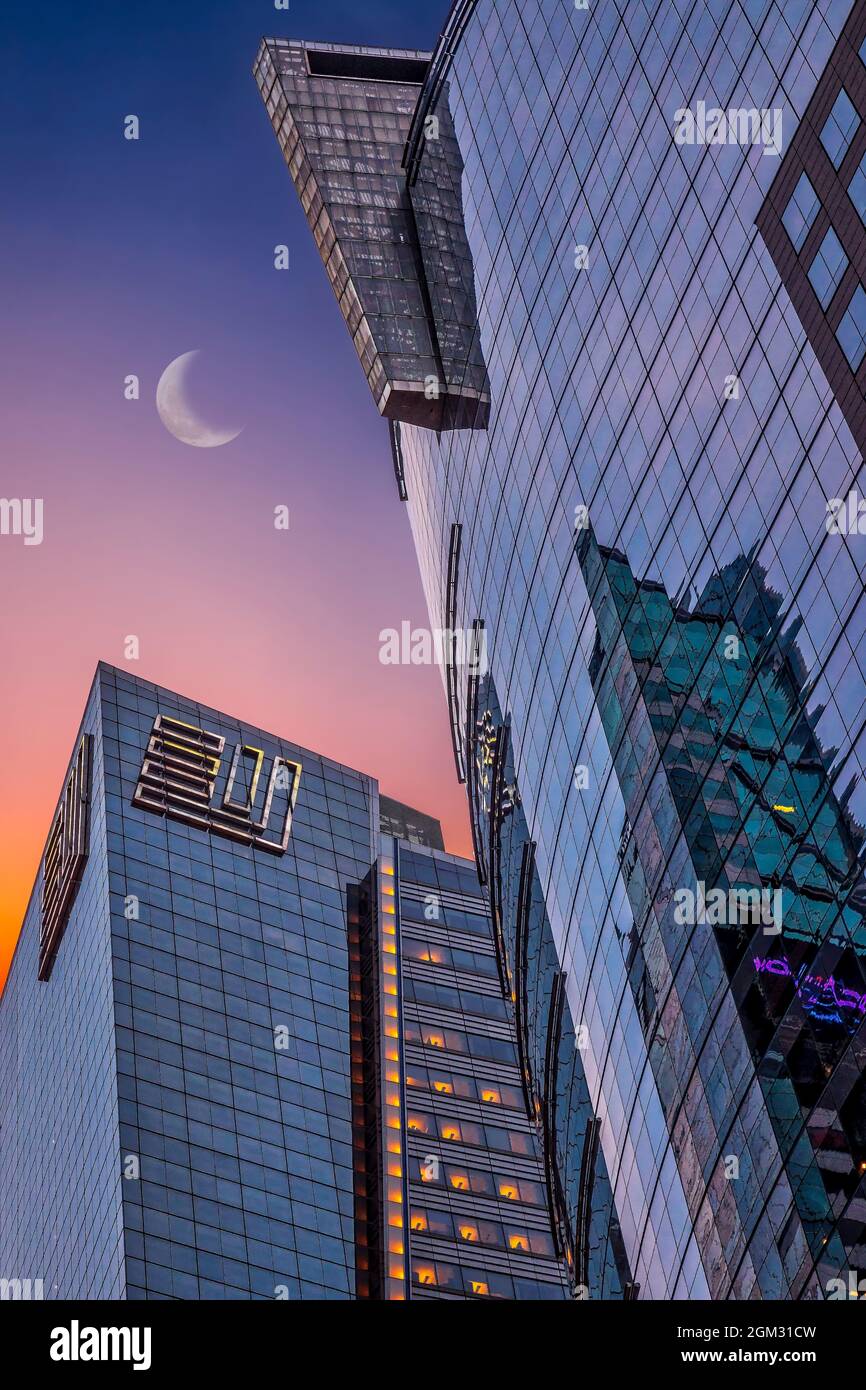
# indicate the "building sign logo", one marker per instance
pixel 65 856
pixel 185 776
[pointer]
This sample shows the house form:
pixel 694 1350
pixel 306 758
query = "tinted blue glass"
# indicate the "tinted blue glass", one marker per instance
pixel 852 329
pixel 857 189
pixel 676 634
pixel 203 1113
pixel 800 212
pixel 839 130
pixel 828 268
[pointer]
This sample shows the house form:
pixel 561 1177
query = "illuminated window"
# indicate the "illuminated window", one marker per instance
pixel 443 1087
pixel 425 1274
pixel 509 1190
pixel 478 1286
pixel 418 1123
pixel 460 1182
pixel 435 1040
pixel 493 1097
pixel 518 1242
pixel 468 1232
pixel 418 1221
pixel 449 1130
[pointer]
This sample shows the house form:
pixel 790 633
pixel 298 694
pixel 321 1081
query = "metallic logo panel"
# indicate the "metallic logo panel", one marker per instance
pixel 186 777
pixel 65 856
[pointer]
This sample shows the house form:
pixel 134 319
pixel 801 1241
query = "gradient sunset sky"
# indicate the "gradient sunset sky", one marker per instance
pixel 119 256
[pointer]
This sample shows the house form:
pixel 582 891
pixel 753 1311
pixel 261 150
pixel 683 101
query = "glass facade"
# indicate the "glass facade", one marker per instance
pixel 660 529
pixel 190 1135
pixel 479 1222
pixel 286 1063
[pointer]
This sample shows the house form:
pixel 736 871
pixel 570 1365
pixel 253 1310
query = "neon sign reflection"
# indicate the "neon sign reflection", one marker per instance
pixel 823 996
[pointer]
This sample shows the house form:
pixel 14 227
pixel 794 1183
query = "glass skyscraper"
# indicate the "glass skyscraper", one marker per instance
pixel 604 266
pixel 255 1042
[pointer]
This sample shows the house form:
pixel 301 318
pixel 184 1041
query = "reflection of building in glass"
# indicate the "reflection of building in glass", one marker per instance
pixel 290 1036
pixel 693 385
pixel 556 1095
pixel 717 689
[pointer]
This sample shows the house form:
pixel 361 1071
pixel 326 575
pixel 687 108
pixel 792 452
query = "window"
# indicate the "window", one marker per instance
pixel 839 129
pixel 801 211
pixel 851 332
pixel 857 189
pixel 828 268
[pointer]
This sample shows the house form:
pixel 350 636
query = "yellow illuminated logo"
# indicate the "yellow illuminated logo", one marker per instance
pixel 185 776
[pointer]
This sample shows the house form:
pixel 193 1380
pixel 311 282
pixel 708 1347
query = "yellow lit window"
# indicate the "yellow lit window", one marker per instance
pixel 443 1087
pixel 492 1096
pixel 417 1124
pixel 450 1131
pixel 419 1221
pixel 477 1286
pixel 460 1182
pixel 468 1232
pixel 426 1275
pixel 518 1242
pixel 509 1190
pixel 435 1040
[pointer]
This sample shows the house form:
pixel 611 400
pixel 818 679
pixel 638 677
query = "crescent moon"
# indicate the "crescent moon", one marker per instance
pixel 177 414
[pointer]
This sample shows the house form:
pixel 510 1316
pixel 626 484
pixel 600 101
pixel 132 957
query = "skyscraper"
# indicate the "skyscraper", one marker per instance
pixel 619 253
pixel 253 1043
